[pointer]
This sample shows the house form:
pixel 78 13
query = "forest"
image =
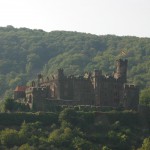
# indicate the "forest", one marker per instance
pixel 24 53
pixel 75 129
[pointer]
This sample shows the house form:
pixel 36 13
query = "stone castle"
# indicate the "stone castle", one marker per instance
pixel 90 89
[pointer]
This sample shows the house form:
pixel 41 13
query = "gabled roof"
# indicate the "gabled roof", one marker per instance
pixel 20 88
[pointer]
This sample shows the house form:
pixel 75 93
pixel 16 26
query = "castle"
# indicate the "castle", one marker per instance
pixel 90 89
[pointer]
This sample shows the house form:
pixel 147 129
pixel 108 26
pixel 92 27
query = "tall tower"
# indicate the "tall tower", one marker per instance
pixel 96 83
pixel 60 74
pixel 121 70
pixel 60 84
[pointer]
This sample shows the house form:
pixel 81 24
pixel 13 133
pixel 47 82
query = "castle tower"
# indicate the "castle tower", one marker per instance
pixel 121 70
pixel 40 79
pixel 60 84
pixel 60 74
pixel 96 84
pixel 131 96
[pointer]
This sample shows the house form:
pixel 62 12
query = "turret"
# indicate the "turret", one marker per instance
pixel 121 70
pixel 60 84
pixel 131 96
pixel 40 77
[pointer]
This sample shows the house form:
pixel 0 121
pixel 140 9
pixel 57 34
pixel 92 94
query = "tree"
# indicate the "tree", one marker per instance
pixel 146 144
pixel 105 148
pixel 9 104
pixel 9 137
pixel 25 51
pixel 145 97
pixel 26 147
pixel 69 116
pixel 82 144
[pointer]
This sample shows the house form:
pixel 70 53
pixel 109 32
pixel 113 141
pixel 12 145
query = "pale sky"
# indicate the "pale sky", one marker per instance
pixel 119 17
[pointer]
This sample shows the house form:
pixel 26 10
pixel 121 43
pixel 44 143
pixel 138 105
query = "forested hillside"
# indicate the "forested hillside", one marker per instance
pixel 25 52
pixel 73 129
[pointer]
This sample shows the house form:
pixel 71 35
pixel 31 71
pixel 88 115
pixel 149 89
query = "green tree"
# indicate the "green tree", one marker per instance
pixel 146 144
pixel 26 147
pixel 2 106
pixel 82 144
pixel 105 148
pixel 68 115
pixel 9 104
pixel 145 97
pixel 9 137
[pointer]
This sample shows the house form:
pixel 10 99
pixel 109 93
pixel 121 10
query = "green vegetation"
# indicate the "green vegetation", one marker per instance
pixel 10 105
pixel 145 97
pixel 75 130
pixel 146 144
pixel 10 119
pixel 25 52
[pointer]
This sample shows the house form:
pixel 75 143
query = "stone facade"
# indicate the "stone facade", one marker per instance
pixel 91 89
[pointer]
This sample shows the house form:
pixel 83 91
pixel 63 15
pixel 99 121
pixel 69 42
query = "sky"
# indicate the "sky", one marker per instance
pixel 100 17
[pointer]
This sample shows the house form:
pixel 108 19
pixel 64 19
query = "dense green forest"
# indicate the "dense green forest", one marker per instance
pixel 74 129
pixel 25 52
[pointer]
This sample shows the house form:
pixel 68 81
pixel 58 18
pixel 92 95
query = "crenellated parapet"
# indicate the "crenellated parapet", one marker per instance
pixel 88 89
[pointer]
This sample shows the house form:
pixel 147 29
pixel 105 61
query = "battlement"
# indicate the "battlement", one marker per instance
pixel 35 89
pixel 86 89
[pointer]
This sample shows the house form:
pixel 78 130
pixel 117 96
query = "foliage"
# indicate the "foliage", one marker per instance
pixel 26 147
pixel 91 130
pixel 8 119
pixel 2 106
pixel 69 115
pixel 11 105
pixel 9 137
pixel 145 97
pixel 25 52
pixel 146 144
pixel 82 144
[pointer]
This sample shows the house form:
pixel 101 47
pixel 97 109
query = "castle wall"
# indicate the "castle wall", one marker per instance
pixel 83 91
pixel 131 96
pixel 35 97
pixel 108 91
pixel 93 89
pixel 20 94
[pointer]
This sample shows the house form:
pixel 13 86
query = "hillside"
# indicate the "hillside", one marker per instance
pixel 73 129
pixel 25 52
